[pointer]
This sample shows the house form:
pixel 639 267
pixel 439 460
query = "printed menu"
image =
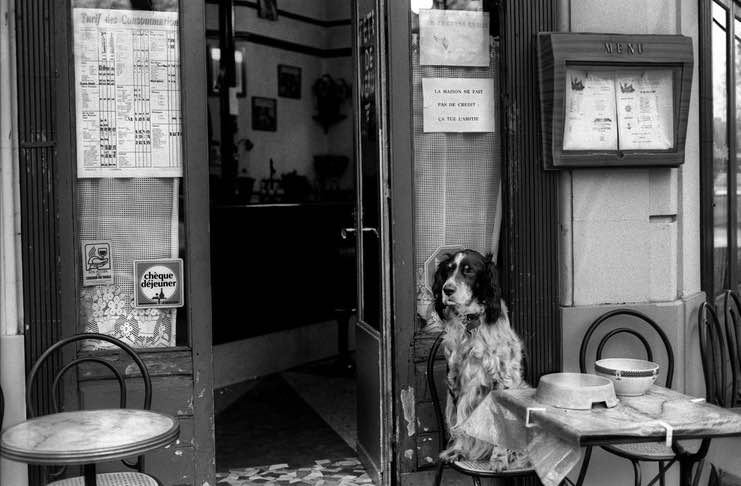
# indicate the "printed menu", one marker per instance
pixel 127 87
pixel 626 110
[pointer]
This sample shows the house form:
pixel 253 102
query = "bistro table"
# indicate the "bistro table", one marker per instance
pixel 646 418
pixel 86 437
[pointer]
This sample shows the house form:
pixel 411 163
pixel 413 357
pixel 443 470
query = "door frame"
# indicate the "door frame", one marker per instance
pixel 195 192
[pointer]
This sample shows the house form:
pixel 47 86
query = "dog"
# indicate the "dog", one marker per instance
pixel 482 351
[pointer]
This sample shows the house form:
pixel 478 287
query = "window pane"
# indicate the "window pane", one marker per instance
pixel 720 150
pixel 129 159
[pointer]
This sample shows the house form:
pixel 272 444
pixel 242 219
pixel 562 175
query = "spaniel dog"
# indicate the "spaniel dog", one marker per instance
pixel 482 350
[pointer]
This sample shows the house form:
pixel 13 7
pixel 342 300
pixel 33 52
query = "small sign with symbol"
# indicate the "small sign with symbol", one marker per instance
pixel 97 262
pixel 159 283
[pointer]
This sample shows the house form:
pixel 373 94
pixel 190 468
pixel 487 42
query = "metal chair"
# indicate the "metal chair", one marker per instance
pixel 2 408
pixel 127 478
pixel 732 318
pixel 635 453
pixel 475 469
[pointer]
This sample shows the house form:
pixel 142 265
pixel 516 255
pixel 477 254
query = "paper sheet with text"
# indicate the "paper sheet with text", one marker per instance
pixel 127 91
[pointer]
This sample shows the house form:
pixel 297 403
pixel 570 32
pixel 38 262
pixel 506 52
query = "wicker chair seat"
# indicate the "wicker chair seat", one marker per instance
pixel 112 479
pixel 483 468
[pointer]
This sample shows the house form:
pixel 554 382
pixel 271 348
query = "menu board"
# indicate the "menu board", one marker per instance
pixel 127 87
pixel 624 110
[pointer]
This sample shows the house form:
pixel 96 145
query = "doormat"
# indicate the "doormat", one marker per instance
pixel 324 472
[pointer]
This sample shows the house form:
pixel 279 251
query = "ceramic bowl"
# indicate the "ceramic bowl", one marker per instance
pixel 631 377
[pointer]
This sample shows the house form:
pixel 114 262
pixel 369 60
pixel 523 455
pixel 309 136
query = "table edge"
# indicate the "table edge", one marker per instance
pixel 100 455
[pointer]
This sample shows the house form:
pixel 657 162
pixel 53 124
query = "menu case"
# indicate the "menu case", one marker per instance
pixel 609 100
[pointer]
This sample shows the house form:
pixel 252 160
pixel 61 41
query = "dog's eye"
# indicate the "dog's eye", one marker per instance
pixel 467 269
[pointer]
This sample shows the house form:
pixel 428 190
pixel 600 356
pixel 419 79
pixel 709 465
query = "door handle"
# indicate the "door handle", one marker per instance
pixel 345 232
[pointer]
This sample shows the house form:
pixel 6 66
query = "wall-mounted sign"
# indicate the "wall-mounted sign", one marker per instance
pixel 97 262
pixel 159 283
pixel 127 93
pixel 453 38
pixel 458 104
pixel 614 100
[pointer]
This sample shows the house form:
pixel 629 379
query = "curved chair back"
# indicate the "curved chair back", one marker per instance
pixel 88 359
pixel 732 318
pixel 2 408
pixel 714 352
pixel 604 318
pixel 432 386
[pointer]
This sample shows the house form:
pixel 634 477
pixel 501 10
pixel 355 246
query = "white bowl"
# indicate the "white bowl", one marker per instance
pixel 630 377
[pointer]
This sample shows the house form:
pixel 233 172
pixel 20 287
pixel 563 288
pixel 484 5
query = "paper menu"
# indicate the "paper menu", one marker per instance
pixel 625 110
pixel 590 111
pixel 127 87
pixel 644 105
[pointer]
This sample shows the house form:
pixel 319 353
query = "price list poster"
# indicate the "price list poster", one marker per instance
pixel 127 73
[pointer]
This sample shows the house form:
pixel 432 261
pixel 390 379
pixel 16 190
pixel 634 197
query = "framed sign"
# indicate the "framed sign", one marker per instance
pixel 289 81
pixel 264 114
pixel 614 100
pixel 159 283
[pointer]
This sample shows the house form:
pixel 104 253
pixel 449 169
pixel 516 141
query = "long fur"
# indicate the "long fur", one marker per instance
pixel 483 357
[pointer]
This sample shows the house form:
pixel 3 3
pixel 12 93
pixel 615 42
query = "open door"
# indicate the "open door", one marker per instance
pixel 372 242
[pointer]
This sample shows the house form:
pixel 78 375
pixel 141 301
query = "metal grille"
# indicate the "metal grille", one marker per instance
pixel 37 140
pixel 530 238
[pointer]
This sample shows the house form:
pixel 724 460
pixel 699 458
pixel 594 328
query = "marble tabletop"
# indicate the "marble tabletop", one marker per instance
pixel 633 419
pixel 88 436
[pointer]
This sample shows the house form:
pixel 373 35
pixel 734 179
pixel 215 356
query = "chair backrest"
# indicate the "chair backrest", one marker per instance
pixel 720 374
pixel 608 318
pixel 2 408
pixel 88 359
pixel 432 386
pixel 732 320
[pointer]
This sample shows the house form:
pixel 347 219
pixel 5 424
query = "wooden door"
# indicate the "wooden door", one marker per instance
pixel 372 242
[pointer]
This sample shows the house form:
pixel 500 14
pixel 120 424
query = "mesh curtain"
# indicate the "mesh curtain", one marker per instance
pixel 457 178
pixel 140 218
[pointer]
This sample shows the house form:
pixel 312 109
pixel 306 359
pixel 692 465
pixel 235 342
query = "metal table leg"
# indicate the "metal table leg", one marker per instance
pixel 90 475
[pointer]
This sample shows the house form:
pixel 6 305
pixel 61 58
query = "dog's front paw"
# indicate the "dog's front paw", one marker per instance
pixel 451 455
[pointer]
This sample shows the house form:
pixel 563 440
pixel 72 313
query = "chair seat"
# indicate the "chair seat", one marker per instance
pixel 644 451
pixel 483 468
pixel 112 479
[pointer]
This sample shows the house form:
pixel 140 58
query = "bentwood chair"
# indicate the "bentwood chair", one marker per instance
pixel 641 452
pixel 732 318
pixel 475 469
pixel 126 478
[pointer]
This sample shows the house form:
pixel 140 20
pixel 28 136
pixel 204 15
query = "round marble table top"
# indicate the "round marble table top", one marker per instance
pixel 87 436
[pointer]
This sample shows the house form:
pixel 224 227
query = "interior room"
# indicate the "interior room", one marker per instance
pixel 283 270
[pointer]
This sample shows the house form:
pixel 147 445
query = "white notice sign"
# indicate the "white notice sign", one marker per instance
pixel 458 104
pixel 127 91
pixel 590 122
pixel 645 110
pixel 453 38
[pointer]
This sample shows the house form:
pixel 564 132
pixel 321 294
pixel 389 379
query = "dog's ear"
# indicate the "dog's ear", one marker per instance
pixel 441 275
pixel 491 290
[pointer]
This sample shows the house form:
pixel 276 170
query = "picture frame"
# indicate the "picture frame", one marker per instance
pixel 264 114
pixel 267 9
pixel 215 73
pixel 289 81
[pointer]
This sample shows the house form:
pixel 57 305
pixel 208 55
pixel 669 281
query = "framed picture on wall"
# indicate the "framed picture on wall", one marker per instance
pixel 264 114
pixel 215 74
pixel 267 9
pixel 289 81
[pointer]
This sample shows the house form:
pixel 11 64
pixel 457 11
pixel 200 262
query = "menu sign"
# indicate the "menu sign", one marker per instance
pixel 626 110
pixel 458 104
pixel 127 91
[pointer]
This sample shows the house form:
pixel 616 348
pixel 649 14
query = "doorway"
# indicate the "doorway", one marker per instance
pixel 284 246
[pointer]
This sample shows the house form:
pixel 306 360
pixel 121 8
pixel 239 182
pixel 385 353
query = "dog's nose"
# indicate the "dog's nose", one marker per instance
pixel 449 290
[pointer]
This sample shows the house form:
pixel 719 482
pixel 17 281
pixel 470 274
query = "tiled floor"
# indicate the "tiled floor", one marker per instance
pixel 323 472
pixel 297 428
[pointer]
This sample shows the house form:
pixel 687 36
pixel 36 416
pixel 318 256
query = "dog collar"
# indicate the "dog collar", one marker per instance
pixel 471 322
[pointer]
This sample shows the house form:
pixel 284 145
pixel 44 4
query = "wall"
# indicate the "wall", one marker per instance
pixel 298 137
pixel 630 237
